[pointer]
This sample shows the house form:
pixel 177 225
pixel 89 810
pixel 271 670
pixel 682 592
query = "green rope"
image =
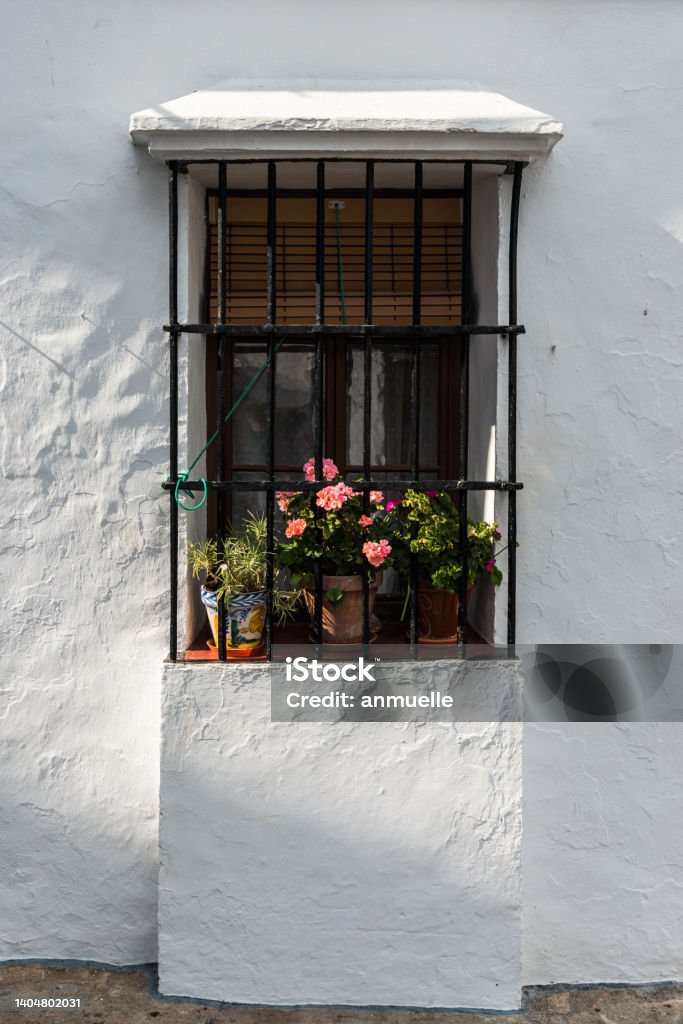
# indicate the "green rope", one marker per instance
pixel 182 477
pixel 341 266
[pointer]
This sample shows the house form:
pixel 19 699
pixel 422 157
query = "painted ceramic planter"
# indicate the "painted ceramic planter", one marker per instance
pixel 245 616
pixel 343 622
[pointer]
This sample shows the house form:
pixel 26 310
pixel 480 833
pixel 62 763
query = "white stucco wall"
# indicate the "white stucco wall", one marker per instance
pixel 603 835
pixel 83 379
pixel 338 863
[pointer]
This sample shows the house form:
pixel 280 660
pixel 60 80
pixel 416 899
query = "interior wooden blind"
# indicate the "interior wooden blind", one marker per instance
pixel 295 262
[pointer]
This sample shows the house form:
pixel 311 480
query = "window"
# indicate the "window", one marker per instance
pixel 369 291
pixel 392 297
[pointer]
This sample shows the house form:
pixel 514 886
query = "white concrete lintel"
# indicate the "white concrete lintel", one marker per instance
pixel 429 120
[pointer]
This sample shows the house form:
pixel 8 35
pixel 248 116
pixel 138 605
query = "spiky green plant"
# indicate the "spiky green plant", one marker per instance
pixel 239 565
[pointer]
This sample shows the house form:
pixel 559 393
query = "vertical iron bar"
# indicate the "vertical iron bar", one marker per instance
pixel 271 242
pixel 367 371
pixel 221 227
pixel 369 229
pixel 415 390
pixel 220 387
pixel 466 314
pixel 271 301
pixel 465 398
pixel 512 405
pixel 318 380
pixel 464 574
pixel 417 316
pixel 173 405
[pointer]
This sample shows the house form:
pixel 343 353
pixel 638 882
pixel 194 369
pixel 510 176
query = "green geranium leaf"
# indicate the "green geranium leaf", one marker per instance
pixel 334 595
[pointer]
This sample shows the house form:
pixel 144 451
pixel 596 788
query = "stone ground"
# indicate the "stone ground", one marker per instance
pixel 128 996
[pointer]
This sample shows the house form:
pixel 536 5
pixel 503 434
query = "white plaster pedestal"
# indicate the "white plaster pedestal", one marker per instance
pixel 365 864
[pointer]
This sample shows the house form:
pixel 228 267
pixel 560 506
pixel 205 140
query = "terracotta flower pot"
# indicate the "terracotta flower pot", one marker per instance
pixel 437 614
pixel 343 621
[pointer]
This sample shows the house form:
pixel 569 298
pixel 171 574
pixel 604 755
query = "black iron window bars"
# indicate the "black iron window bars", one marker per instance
pixel 270 331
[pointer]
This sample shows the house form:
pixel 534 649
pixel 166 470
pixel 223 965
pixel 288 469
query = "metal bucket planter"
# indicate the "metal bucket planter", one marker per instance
pixel 343 621
pixel 245 616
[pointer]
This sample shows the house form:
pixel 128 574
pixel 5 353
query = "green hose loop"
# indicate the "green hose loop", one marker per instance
pixel 189 508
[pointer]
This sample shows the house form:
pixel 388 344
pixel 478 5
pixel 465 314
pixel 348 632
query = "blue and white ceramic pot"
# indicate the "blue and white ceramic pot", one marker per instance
pixel 245 616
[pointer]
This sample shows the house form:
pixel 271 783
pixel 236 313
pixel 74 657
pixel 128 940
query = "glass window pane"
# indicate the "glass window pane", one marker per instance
pixel 390 395
pixel 246 501
pixel 294 424
pixel 293 404
pixel 248 420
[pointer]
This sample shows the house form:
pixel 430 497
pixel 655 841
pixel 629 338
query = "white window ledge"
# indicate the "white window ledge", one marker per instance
pixel 430 120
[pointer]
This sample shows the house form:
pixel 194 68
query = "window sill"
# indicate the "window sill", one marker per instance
pixel 294 638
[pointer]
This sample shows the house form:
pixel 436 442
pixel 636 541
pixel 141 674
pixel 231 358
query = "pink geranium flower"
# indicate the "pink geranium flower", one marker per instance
pixel 376 497
pixel 365 521
pixel 331 498
pixel 330 471
pixel 295 527
pixel 376 552
pixel 391 505
pixel 283 499
pixel 490 565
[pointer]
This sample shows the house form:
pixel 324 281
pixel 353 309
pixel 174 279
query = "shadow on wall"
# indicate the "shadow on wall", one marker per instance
pixel 75 888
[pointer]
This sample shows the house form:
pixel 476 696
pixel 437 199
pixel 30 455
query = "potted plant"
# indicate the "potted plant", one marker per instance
pixel 330 526
pixel 236 569
pixel 427 524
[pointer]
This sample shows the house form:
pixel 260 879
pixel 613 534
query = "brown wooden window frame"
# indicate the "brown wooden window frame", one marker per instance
pixel 336 424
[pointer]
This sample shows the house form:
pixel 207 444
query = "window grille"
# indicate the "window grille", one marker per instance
pixel 243 258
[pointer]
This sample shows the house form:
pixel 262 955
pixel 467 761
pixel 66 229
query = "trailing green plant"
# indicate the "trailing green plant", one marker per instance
pixel 427 524
pixel 239 565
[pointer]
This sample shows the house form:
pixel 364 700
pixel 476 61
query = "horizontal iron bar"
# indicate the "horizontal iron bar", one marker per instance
pixel 361 485
pixel 359 330
pixel 184 164
pixel 342 193
pixel 256 467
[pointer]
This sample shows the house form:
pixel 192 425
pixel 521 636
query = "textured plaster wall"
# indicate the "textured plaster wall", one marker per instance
pixel 602 853
pixel 338 863
pixel 83 385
